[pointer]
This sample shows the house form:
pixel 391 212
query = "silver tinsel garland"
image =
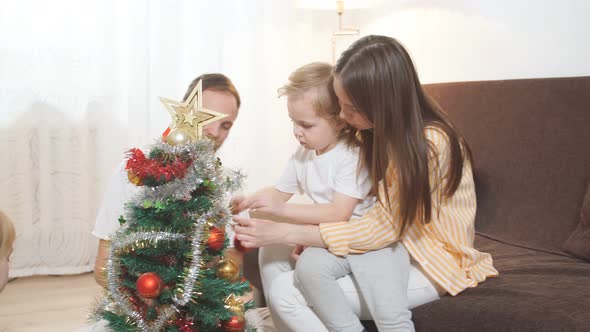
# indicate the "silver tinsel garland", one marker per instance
pixel 186 291
pixel 205 167
pixel 120 243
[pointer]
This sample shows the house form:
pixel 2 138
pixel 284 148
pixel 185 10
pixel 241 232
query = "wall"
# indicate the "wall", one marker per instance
pixel 450 40
pixel 456 40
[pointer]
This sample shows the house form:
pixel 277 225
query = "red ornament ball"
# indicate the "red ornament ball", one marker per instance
pixel 185 325
pixel 238 245
pixel 149 285
pixel 234 324
pixel 216 238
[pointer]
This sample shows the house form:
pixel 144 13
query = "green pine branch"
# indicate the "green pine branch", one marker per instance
pixel 137 265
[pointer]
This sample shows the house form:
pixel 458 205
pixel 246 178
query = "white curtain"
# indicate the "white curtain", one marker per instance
pixel 79 84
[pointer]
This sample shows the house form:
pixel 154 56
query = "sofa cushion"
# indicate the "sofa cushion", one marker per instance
pixel 536 291
pixel 578 243
pixel 530 142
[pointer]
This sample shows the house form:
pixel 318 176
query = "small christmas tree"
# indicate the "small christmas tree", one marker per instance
pixel 166 270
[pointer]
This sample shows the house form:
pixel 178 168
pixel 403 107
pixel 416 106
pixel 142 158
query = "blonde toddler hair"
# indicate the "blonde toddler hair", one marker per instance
pixel 319 77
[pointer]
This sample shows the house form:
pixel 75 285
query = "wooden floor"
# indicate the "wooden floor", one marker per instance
pixel 47 303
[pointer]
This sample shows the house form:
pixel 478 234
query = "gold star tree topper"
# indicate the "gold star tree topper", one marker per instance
pixel 189 117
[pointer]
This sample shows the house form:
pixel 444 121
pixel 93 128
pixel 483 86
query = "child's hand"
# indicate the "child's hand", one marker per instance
pixel 235 204
pixel 264 204
pixel 297 250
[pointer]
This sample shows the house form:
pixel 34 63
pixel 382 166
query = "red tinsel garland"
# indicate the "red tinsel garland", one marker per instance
pixel 153 171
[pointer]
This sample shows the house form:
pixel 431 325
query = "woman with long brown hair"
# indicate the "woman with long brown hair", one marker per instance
pixel 420 166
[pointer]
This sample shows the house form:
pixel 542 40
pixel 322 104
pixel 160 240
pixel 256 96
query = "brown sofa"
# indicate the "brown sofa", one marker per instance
pixel 531 145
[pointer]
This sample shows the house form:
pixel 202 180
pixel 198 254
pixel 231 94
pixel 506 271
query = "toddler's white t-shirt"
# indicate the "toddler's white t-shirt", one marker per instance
pixel 120 191
pixel 320 176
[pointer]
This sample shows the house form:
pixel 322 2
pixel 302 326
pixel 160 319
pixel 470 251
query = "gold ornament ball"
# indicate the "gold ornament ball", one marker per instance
pixel 178 136
pixel 228 270
pixel 136 180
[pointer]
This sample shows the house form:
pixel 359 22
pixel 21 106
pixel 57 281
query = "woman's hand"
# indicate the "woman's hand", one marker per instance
pixel 255 233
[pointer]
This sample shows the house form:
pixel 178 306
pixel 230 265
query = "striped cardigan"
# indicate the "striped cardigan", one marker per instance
pixel 443 248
